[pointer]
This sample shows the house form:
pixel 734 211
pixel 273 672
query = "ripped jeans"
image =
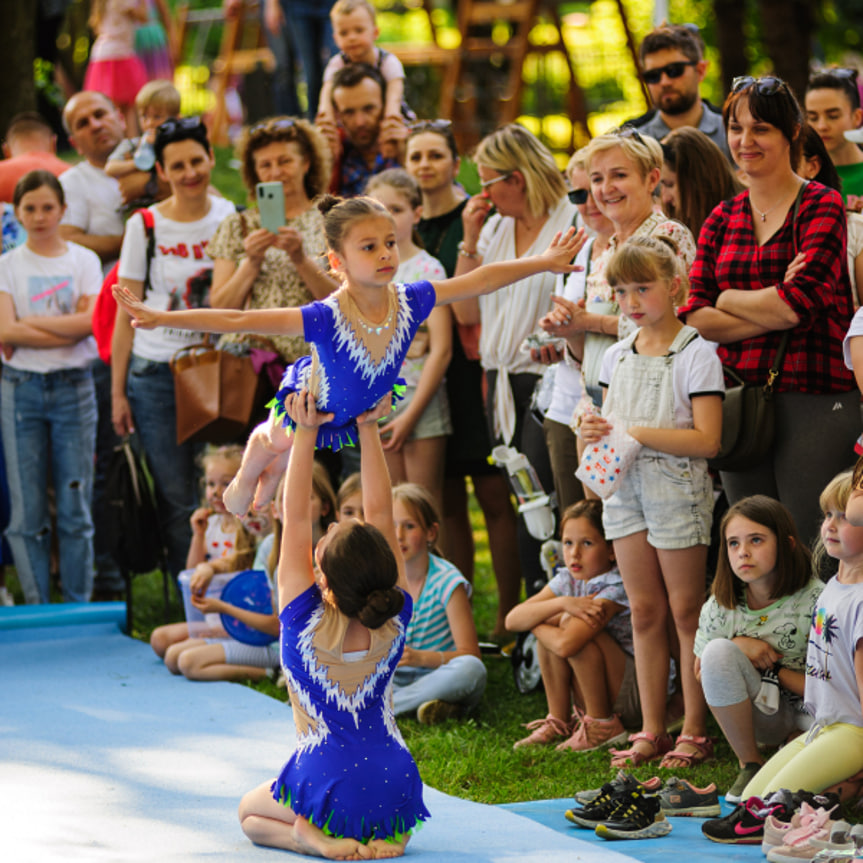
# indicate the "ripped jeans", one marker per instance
pixel 49 433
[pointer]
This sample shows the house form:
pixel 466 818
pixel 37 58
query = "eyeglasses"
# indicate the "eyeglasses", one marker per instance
pixel 177 123
pixel 578 196
pixel 769 85
pixel 670 70
pixel 484 184
pixel 271 125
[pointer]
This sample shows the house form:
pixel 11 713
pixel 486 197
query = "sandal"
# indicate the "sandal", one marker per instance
pixel 632 757
pixel 703 751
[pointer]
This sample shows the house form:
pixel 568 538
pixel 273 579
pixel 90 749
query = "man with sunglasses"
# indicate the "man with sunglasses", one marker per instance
pixel 673 68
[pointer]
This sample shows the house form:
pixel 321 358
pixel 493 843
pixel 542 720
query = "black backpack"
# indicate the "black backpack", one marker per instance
pixel 133 521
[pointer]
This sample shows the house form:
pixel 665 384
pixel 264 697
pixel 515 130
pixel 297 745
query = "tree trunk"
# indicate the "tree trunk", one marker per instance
pixel 787 27
pixel 18 48
pixel 730 40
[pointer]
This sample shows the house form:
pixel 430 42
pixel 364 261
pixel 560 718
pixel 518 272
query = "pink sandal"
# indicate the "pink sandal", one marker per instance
pixel 703 751
pixel 632 757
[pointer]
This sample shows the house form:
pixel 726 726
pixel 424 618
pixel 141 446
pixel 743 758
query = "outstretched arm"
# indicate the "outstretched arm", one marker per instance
pixel 376 483
pixel 265 322
pixel 296 571
pixel 491 277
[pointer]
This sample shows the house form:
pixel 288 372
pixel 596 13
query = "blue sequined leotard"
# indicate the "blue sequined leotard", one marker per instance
pixel 349 380
pixel 351 774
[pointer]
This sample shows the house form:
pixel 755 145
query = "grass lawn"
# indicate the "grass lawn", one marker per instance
pixel 474 758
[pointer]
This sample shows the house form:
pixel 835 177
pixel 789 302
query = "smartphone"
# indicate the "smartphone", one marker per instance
pixel 271 205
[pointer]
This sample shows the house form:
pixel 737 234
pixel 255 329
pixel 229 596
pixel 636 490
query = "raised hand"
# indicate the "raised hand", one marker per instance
pixel 562 249
pixel 143 317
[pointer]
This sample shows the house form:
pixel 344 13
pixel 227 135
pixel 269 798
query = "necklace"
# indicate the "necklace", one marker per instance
pixel 374 329
pixel 764 214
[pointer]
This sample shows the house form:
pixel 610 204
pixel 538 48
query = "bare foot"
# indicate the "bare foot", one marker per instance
pixel 319 844
pixel 237 497
pixel 270 478
pixel 385 848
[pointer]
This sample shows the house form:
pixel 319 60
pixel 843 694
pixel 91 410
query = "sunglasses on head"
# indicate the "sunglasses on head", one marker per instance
pixel 670 70
pixel 177 123
pixel 578 196
pixel 627 131
pixel 430 126
pixel 769 85
pixel 270 125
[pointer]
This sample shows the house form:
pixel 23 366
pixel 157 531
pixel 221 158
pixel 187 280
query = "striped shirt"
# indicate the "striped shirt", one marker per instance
pixel 429 628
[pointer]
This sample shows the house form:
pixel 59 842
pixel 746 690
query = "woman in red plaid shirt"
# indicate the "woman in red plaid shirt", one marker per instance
pixel 760 272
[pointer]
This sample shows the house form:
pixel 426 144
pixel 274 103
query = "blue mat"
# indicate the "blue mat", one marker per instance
pixel 685 842
pixel 105 756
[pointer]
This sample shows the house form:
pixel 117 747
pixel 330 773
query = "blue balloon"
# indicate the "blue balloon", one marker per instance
pixel 249 589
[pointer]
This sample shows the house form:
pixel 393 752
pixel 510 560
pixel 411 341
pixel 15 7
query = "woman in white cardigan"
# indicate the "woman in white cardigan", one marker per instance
pixel 523 185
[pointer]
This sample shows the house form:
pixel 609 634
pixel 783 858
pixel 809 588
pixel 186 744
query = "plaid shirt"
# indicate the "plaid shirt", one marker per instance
pixel 354 172
pixel 729 257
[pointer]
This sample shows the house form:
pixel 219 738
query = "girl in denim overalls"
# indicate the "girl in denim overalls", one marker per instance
pixel 664 385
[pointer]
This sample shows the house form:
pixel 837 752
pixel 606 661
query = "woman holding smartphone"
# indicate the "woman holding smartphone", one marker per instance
pixel 274 256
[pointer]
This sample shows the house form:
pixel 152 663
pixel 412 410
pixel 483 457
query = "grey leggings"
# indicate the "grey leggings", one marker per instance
pixel 728 677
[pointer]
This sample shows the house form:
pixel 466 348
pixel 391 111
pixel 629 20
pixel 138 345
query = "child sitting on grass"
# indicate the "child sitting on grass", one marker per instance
pixel 582 625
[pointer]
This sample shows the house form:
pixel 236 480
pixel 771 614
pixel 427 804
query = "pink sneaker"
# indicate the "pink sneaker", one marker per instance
pixel 591 734
pixel 543 731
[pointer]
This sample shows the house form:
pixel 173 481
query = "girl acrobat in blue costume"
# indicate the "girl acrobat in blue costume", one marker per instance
pixel 351 789
pixel 359 334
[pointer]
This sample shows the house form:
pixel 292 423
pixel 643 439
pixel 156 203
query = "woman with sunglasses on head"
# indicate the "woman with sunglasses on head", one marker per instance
pixel 142 386
pixel 433 160
pixel 521 182
pixel 255 268
pixel 765 267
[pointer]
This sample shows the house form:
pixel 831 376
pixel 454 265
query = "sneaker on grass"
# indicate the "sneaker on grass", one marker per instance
pixel 735 792
pixel 437 711
pixel 591 734
pixel 543 731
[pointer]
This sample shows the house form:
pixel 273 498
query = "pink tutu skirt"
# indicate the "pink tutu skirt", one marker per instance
pixel 118 79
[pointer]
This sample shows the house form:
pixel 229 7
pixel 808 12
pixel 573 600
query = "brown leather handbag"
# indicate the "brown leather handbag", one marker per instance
pixel 215 393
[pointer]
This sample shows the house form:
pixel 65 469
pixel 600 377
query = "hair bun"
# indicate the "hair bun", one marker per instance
pixel 380 606
pixel 326 202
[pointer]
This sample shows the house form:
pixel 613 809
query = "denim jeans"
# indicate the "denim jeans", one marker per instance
pixel 460 681
pixel 49 420
pixel 312 34
pixel 150 390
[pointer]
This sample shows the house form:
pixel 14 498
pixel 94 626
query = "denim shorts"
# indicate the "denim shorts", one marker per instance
pixel 669 496
pixel 435 419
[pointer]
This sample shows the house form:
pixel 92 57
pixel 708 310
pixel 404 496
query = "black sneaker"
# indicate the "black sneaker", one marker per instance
pixel 605 805
pixel 638 817
pixel 745 825
pixel 588 796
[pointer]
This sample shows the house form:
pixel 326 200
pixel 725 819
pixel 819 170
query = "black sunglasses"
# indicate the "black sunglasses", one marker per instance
pixel 578 196
pixel 670 70
pixel 769 85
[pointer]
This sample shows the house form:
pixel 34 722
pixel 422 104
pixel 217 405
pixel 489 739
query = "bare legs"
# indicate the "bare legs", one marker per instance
pixel 659 583
pixel 265 459
pixel 207 662
pixel 420 461
pixel 267 822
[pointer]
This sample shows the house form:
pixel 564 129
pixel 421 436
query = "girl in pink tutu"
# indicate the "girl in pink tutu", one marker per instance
pixel 114 68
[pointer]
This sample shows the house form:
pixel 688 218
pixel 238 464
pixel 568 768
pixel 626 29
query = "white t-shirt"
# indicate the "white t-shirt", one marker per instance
pixel 178 263
pixel 509 315
pixel 567 386
pixel 390 67
pixel 854 331
pixel 50 287
pixel 93 202
pixel 831 693
pixel 696 371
